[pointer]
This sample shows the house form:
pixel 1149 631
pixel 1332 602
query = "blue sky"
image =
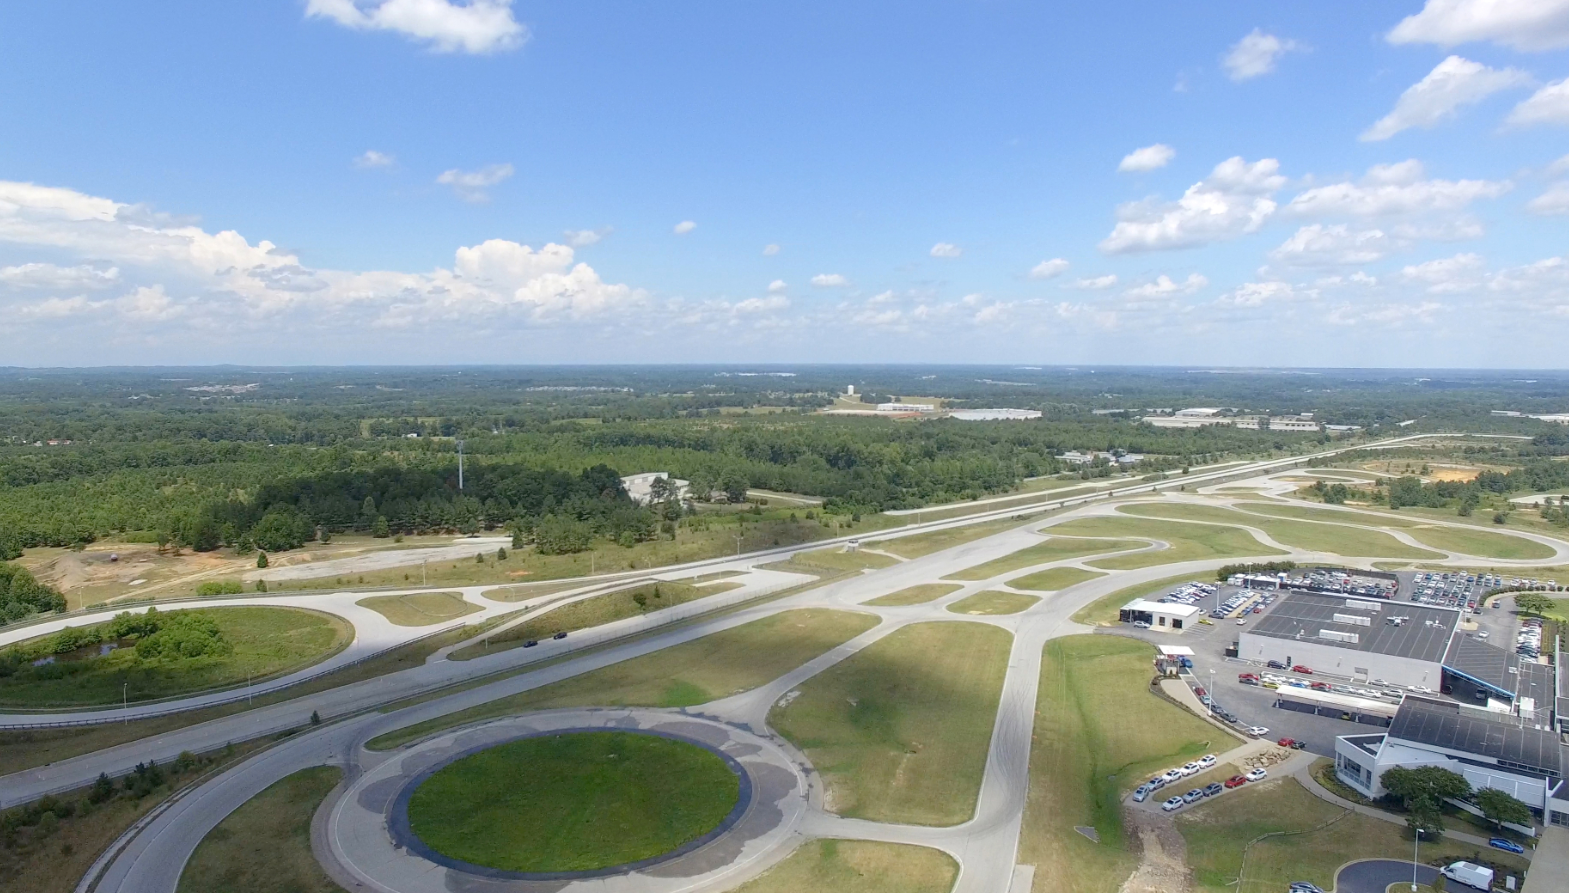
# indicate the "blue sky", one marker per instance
pixel 350 181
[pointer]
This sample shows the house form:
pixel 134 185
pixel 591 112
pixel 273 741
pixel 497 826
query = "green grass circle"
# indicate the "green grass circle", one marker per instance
pixel 580 801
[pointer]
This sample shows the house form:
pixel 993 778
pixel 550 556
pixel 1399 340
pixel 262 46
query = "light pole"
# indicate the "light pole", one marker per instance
pixel 125 703
pixel 1211 692
pixel 1416 845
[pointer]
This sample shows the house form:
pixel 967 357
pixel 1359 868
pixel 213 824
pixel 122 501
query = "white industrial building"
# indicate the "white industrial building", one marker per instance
pixel 640 487
pixel 906 407
pixel 1490 749
pixel 1163 616
pixel 996 415
pixel 1368 640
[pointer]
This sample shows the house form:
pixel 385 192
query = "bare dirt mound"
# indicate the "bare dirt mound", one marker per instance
pixel 1163 855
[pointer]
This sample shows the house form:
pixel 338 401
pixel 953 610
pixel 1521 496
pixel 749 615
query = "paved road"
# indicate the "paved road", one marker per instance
pixel 985 846
pixel 1375 876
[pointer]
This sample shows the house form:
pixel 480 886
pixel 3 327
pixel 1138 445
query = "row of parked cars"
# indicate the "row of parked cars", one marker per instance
pixel 1529 642
pixel 1175 803
pixel 1230 605
pixel 1451 590
pixel 1189 593
pixel 1343 583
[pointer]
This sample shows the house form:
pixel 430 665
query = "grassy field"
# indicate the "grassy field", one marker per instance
pixel 715 539
pixel 926 543
pixel 823 562
pixel 265 845
pixel 1056 548
pixel 1481 543
pixel 993 602
pixel 1098 733
pixel 858 866
pixel 1309 513
pixel 1337 538
pixel 593 611
pixel 574 802
pixel 1216 833
pixel 420 608
pixel 266 642
pixel 525 591
pixel 37 747
pixel 915 595
pixel 900 730
pixel 1052 579
pixel 725 663
pixel 1103 611
pixel 1188 541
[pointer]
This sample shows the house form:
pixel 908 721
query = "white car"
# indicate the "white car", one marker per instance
pixel 1257 775
pixel 1190 769
pixel 1207 761
pixel 1175 803
pixel 1257 731
pixel 1141 624
pixel 1172 775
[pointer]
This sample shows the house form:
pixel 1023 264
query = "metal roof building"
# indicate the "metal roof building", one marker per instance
pixel 1370 640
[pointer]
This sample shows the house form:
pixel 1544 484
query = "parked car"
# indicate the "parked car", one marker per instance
pixel 1508 846
pixel 1172 775
pixel 1320 686
pixel 1143 792
pixel 1141 624
pixel 1304 887
pixel 1156 783
pixel 1207 761
pixel 1301 669
pixel 1257 775
pixel 1257 731
pixel 1298 744
pixel 1236 781
pixel 1199 690
pixel 1287 742
pixel 1173 804
pixel 1193 796
pixel 1190 769
pixel 1275 665
pixel 1248 680
pixel 1213 788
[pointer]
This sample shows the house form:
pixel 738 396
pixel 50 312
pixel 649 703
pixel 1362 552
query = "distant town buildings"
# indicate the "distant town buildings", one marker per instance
pixel 640 487
pixel 996 415
pixel 1557 418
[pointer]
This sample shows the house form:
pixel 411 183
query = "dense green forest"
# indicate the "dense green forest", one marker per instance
pixel 267 457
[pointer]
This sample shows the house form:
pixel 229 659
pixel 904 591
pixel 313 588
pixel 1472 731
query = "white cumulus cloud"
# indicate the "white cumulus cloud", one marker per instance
pixel 582 238
pixel 946 249
pixel 370 158
pixel 1552 202
pixel 1530 25
pixel 1394 189
pixel 1453 83
pixel 1255 55
pixel 52 276
pixel 683 227
pixel 477 26
pixel 1096 283
pixel 1231 201
pixel 1048 269
pixel 1164 286
pixel 829 280
pixel 1318 245
pixel 474 186
pixel 1147 159
pixel 1461 272
pixel 777 286
pixel 1549 105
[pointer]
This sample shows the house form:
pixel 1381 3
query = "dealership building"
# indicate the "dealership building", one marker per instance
pixel 1366 640
pixel 1490 749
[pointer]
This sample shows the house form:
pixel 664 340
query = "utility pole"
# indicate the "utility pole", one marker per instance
pixel 423 581
pixel 125 703
pixel 460 463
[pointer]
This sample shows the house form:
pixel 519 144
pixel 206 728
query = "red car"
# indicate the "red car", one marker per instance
pixel 1245 676
pixel 1320 686
pixel 1286 742
pixel 1301 669
pixel 1199 690
pixel 1236 781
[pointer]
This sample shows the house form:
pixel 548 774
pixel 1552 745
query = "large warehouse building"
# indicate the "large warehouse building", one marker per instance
pixel 1368 640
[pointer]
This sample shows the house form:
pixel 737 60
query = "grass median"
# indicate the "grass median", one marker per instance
pixel 1099 732
pixel 1337 539
pixel 899 731
pixel 858 866
pixel 993 601
pixel 1481 543
pixel 1055 548
pixel 420 608
pixel 724 663
pixel 1053 579
pixel 265 845
pixel 257 643
pixel 1188 542
pixel 595 610
pixel 922 544
pixel 915 595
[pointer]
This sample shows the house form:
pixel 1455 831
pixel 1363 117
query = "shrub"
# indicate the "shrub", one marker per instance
pixel 220 587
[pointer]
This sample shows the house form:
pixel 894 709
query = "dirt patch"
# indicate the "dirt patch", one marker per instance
pixel 1455 473
pixel 1163 855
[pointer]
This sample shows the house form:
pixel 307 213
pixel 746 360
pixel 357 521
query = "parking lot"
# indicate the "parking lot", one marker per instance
pixel 1229 607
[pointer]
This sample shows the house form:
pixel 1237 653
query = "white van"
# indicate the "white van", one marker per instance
pixel 1470 874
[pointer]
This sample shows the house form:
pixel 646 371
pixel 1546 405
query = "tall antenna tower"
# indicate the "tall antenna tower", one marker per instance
pixel 460 463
